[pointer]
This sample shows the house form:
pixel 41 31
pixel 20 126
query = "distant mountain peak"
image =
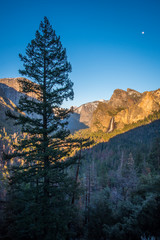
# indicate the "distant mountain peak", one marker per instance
pixel 123 108
pixel 126 107
pixel 102 100
pixel 133 92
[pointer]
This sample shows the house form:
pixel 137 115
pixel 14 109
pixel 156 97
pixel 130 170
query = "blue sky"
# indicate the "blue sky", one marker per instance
pixel 103 38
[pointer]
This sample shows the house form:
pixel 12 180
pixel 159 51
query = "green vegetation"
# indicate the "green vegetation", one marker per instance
pixel 119 182
pixel 103 107
pixel 114 111
pixel 101 136
pixel 40 190
pixel 56 186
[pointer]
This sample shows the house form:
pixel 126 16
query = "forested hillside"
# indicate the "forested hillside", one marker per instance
pixel 121 180
pixel 125 110
pixel 100 183
pixel 119 195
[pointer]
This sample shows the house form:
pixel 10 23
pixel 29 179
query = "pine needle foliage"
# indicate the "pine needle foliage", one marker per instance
pixel 40 189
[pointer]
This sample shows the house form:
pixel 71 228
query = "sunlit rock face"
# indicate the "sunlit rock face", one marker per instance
pixel 12 89
pixel 82 116
pixel 86 111
pixel 121 98
pixel 10 93
pixel 147 104
pixel 9 98
pixel 126 107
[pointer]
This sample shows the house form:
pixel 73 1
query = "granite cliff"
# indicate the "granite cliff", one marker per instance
pixel 10 93
pixel 82 116
pixel 123 108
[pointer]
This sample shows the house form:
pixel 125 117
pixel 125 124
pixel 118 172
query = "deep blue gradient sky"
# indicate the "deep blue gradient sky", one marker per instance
pixel 103 38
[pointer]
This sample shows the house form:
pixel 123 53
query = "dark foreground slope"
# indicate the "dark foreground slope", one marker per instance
pixel 121 180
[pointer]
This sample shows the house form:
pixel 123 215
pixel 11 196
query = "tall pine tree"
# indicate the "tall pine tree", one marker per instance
pixel 41 190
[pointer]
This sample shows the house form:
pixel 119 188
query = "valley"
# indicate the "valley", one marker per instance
pixel 116 147
pixel 80 120
pixel 125 110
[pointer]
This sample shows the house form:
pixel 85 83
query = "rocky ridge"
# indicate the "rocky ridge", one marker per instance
pixel 10 93
pixel 123 108
pixel 86 111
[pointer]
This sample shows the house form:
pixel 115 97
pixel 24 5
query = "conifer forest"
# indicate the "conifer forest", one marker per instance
pixel 55 185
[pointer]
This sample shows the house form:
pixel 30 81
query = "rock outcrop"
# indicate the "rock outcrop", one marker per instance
pixel 10 93
pixel 86 111
pixel 125 107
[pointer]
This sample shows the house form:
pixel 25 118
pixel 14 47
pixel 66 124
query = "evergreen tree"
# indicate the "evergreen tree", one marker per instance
pixel 154 156
pixel 41 191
